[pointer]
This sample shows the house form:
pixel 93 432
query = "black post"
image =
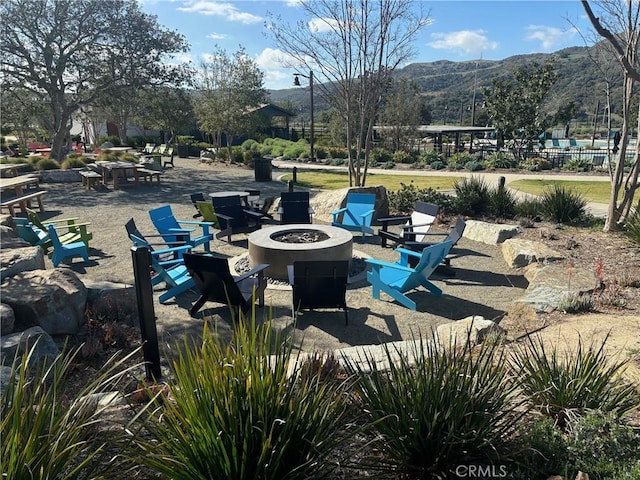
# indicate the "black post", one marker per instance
pixel 144 295
pixel 290 184
pixel 295 174
pixel 501 182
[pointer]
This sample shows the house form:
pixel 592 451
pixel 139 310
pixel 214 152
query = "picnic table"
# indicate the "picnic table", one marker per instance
pixel 119 173
pixel 11 169
pixel 18 195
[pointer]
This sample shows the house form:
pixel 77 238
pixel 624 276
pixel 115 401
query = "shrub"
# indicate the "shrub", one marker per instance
pixel 73 162
pixel 296 150
pixel 545 450
pixel 472 196
pixel 632 225
pixel 380 155
pixel 249 144
pixel 47 164
pixel 529 208
pixel 403 200
pixel 438 165
pixel 576 303
pixel 433 408
pixel 431 156
pixel 320 152
pixel 502 203
pixel 578 165
pixel 403 157
pixel 473 166
pixel 46 434
pixel 535 164
pixel 580 380
pixel 337 152
pixel 601 445
pixel 500 160
pixel 243 410
pixel 561 204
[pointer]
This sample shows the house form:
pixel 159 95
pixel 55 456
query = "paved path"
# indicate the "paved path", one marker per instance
pixel 596 209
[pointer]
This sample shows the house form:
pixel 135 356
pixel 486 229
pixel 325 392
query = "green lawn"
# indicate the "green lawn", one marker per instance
pixel 591 191
pixel 335 180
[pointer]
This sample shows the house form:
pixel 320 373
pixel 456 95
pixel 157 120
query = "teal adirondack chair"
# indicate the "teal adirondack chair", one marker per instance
pixel 357 215
pixel 60 251
pixel 173 232
pixel 172 272
pixel 396 279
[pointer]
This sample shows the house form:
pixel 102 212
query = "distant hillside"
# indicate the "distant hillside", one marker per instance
pixel 450 84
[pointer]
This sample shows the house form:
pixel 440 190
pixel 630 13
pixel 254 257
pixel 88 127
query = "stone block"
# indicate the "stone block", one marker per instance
pixel 115 301
pixel 489 233
pixel 14 261
pixel 17 343
pixel 473 329
pixel 520 253
pixel 7 319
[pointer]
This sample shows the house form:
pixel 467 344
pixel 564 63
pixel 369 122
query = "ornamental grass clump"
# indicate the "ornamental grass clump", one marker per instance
pixel 586 378
pixel 47 434
pixel 433 408
pixel 562 205
pixel 242 410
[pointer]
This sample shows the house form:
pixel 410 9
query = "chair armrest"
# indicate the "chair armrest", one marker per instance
pixel 413 225
pixel 381 263
pixel 259 269
pixel 183 248
pixel 193 222
pixel 251 213
pixel 366 214
pixel 224 217
pixel 180 230
pixel 66 220
pixel 340 210
pixel 411 253
pixel 393 220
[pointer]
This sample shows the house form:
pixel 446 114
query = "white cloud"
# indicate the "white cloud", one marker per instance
pixel 217 36
pixel 318 25
pixel 292 3
pixel 278 68
pixel 463 41
pixel 220 9
pixel 550 38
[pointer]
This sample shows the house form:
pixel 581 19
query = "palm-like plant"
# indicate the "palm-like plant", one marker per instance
pixel 242 410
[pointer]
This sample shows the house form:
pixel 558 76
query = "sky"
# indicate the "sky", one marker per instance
pixel 457 31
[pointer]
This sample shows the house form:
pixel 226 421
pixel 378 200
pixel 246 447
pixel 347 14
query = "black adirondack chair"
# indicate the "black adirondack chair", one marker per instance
pixel 319 284
pixel 233 217
pixel 295 208
pixel 213 279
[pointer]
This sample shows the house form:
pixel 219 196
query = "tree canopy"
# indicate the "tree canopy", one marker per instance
pixel 72 52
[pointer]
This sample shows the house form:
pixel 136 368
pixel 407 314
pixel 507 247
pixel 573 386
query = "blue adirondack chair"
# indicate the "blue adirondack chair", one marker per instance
pixel 171 230
pixel 28 232
pixel 356 216
pixel 60 251
pixel 172 272
pixel 396 279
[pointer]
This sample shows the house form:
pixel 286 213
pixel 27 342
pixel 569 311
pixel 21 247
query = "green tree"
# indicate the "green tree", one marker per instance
pixel 230 89
pixel 402 114
pixel 168 109
pixel 72 52
pixel 514 106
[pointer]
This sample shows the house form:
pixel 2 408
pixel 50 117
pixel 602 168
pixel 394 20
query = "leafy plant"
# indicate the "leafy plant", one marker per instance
pixel 502 203
pixel 46 434
pixel 437 165
pixel 472 196
pixel 529 208
pixel 578 165
pixel 544 450
pixel 500 160
pixel 243 410
pixel 576 303
pixel 561 204
pixel 73 162
pixel 434 407
pixel 47 164
pixel 403 200
pixel 580 379
pixel 473 166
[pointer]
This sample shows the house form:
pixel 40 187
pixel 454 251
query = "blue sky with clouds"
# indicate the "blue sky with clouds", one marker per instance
pixel 459 30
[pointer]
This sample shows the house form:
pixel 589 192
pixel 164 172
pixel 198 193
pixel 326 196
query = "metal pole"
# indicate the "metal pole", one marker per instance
pixel 144 295
pixel 313 156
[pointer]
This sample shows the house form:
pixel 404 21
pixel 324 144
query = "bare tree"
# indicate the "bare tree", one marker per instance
pixel 354 46
pixel 618 21
pixel 70 52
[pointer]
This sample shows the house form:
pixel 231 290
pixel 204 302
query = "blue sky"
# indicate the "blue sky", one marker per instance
pixel 459 30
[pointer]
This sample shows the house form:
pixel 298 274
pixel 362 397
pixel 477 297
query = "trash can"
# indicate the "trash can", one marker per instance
pixel 262 169
pixel 183 151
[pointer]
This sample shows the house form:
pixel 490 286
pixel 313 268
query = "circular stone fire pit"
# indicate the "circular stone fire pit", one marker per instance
pixel 281 245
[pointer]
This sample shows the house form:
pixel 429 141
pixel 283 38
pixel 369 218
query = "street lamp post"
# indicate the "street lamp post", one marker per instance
pixel 296 82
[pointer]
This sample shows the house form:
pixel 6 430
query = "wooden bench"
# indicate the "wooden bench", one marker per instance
pixel 23 201
pixel 148 174
pixel 90 179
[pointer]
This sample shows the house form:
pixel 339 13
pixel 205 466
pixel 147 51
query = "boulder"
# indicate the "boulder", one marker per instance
pixel 116 301
pixel 489 233
pixel 473 329
pixel 549 285
pixel 520 253
pixel 324 203
pixel 17 343
pixel 7 231
pixel 17 257
pixel 7 319
pixel 52 299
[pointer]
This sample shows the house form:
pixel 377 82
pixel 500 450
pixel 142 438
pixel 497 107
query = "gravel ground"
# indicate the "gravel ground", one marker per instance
pixel 484 285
